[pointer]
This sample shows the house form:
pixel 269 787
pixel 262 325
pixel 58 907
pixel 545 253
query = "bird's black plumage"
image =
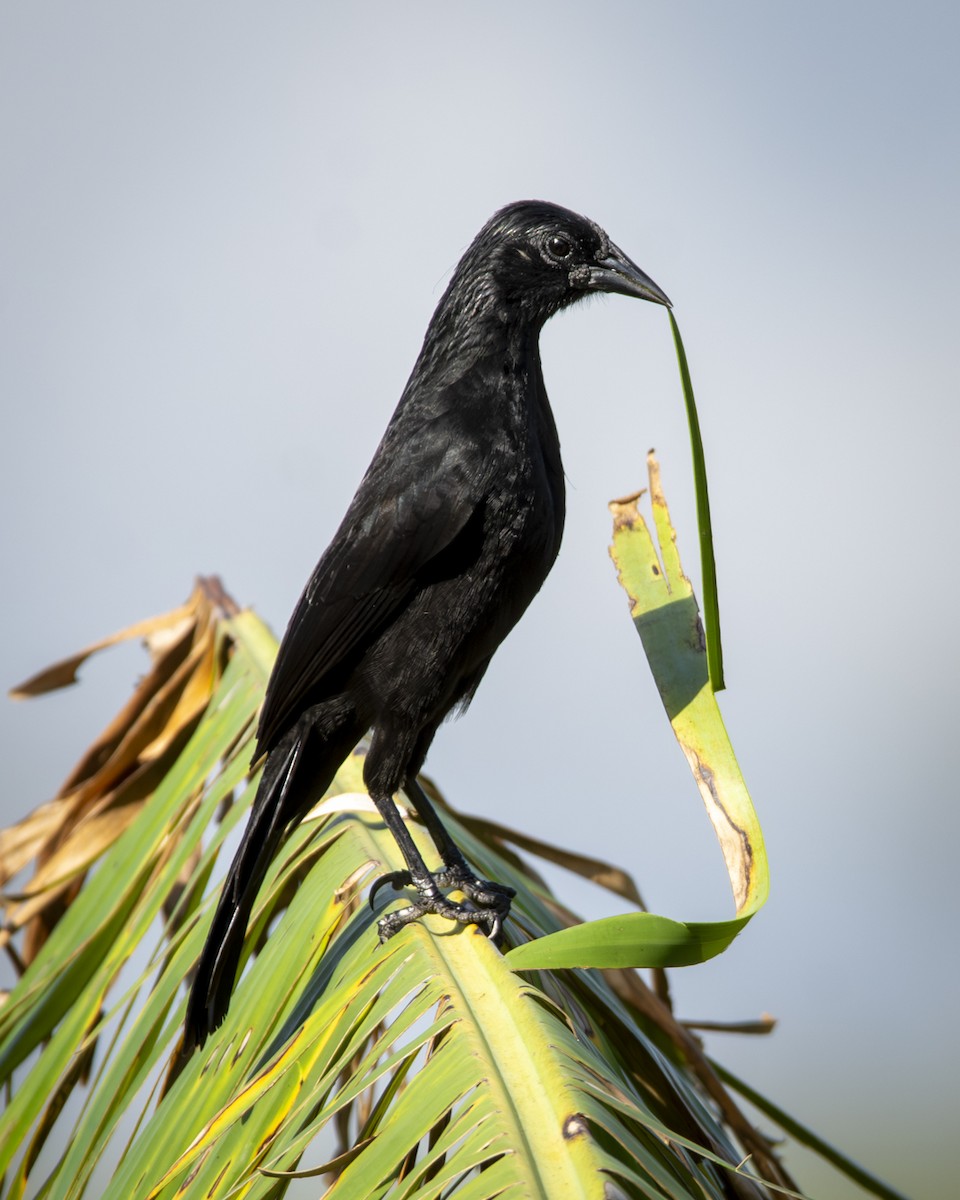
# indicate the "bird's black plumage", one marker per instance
pixel 450 535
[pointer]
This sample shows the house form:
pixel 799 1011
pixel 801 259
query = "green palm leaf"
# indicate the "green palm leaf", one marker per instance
pixel 452 1073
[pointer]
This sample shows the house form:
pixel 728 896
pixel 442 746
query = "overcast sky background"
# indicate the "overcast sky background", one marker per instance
pixel 223 230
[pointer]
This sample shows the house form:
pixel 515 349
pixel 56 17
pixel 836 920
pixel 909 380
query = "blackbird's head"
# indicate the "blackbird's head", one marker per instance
pixel 537 258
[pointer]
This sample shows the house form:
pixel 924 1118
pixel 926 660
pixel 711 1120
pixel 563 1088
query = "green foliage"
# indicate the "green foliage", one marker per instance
pixel 443 1070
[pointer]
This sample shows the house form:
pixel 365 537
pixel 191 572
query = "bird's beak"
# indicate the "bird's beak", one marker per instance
pixel 617 273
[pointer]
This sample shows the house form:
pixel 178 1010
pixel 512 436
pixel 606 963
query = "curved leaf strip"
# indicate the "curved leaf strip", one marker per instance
pixel 664 611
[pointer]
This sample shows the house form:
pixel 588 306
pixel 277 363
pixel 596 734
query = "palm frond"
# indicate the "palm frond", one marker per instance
pixel 444 1071
pixel 431 1067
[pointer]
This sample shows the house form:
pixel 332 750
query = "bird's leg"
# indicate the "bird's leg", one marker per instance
pixel 456 873
pixel 429 897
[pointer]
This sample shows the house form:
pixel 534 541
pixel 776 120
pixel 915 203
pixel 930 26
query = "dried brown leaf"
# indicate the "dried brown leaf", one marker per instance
pixel 24 841
pixel 83 845
pixel 64 673
pixel 119 771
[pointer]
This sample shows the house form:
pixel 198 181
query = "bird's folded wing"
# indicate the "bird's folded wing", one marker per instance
pixel 399 521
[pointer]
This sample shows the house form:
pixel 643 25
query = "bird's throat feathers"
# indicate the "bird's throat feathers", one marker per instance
pixel 479 320
pixel 504 352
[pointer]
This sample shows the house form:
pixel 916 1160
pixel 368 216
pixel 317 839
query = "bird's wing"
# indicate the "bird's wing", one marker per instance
pixel 415 499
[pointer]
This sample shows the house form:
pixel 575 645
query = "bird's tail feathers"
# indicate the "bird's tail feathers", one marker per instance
pixel 217 967
pixel 293 775
pixel 298 769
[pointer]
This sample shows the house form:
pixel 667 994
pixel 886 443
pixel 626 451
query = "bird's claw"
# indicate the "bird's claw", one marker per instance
pixel 396 879
pixel 490 919
pixel 492 900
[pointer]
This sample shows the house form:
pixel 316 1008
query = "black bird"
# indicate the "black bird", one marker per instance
pixel 450 536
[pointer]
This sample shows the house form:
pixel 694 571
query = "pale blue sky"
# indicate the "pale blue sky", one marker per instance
pixel 224 229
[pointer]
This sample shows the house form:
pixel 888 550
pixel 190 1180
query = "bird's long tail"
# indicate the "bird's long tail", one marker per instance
pixel 290 779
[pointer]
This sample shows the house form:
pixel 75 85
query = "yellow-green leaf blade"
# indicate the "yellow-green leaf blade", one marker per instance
pixel 665 614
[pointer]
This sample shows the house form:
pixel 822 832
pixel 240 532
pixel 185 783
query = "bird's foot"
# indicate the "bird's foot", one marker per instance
pixel 492 900
pixel 481 891
pixel 490 919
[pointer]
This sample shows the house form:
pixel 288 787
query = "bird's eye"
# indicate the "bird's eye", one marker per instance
pixel 559 246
